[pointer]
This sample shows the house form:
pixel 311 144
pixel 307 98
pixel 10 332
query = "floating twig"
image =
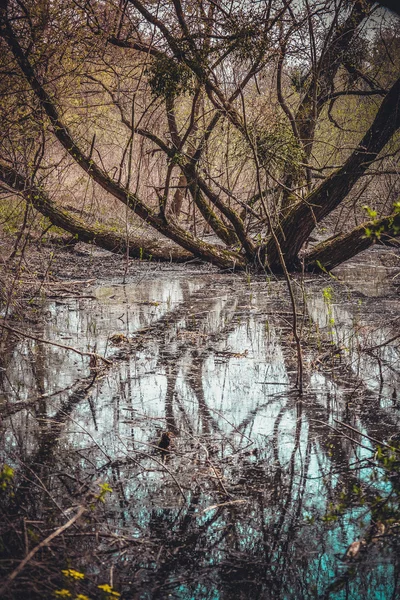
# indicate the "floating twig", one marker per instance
pixel 213 506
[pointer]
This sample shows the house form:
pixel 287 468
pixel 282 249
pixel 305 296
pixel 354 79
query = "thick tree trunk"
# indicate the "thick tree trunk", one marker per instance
pixel 334 251
pixel 318 90
pixel 288 236
pixel 168 227
pixel 296 227
pixel 137 247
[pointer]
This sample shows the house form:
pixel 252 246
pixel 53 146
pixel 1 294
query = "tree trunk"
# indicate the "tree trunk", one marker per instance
pixel 176 204
pixel 288 235
pixel 334 251
pixel 167 227
pixel 294 230
pixel 137 247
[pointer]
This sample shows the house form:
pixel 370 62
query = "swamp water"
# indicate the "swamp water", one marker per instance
pixel 260 494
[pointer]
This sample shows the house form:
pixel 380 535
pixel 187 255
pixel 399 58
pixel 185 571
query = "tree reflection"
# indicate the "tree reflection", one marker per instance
pixel 276 486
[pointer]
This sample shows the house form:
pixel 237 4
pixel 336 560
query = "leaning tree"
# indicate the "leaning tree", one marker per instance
pixel 251 121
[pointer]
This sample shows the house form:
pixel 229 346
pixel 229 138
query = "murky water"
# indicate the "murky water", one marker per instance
pixel 262 492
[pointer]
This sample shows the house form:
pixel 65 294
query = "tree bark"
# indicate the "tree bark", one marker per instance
pixel 296 227
pixel 137 247
pixel 298 222
pixel 169 228
pixel 325 73
pixel 334 251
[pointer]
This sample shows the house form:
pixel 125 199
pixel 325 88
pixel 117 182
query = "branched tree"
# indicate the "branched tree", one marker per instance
pixel 255 122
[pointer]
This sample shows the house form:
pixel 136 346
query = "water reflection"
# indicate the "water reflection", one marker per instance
pixel 263 491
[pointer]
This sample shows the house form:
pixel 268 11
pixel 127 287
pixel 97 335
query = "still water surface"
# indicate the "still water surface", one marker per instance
pixel 263 492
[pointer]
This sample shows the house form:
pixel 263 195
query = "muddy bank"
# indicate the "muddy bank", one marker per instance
pixel 52 263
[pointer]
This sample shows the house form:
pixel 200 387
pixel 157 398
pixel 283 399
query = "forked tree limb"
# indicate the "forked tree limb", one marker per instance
pixel 335 50
pixel 297 226
pixel 170 228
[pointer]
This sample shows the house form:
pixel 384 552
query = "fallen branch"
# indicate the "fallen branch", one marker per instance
pixel 342 434
pixel 213 506
pixel 61 282
pixel 371 439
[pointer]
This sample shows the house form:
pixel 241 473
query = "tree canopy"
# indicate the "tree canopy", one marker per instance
pixel 225 131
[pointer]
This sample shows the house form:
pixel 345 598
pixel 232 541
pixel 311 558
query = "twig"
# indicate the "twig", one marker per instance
pixel 379 442
pixel 161 464
pixel 342 434
pixel 43 341
pixel 43 543
pixel 212 466
pixel 89 434
pixel 224 504
pixel 392 339
pixel 166 468
pixel 60 283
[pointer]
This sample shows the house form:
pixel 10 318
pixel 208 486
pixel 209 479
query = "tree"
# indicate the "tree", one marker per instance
pixel 237 114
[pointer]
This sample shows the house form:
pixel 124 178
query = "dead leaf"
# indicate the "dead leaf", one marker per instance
pixel 354 549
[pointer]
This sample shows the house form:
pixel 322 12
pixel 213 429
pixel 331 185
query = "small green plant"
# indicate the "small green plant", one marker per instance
pixel 374 231
pixel 6 477
pixel 104 490
pixel 327 294
pixel 370 211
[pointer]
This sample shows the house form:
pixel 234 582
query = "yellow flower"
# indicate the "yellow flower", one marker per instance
pixel 63 593
pixel 108 589
pixel 82 597
pixel 73 574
